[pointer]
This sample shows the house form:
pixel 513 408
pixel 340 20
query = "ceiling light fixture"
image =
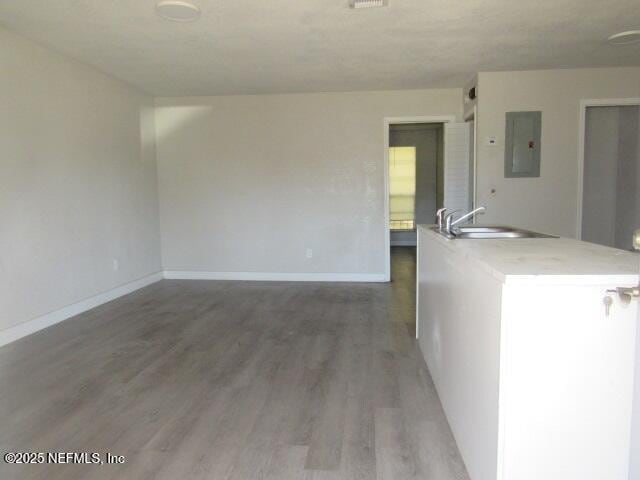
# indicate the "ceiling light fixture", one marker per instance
pixel 368 3
pixel 178 10
pixel 624 38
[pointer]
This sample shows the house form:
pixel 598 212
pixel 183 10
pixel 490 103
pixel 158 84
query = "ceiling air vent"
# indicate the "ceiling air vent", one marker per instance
pixel 367 3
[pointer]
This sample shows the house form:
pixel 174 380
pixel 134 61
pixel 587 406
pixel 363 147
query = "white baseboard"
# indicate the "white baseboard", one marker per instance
pixel 16 332
pixel 275 277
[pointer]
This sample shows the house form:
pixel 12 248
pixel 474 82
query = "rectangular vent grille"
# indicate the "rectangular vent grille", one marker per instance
pixel 367 3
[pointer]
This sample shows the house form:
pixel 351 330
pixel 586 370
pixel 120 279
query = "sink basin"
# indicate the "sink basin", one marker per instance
pixel 504 234
pixel 481 231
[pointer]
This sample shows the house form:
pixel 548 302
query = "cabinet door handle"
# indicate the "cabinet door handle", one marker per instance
pixel 626 293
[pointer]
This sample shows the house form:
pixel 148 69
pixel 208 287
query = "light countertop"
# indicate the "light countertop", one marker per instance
pixel 545 260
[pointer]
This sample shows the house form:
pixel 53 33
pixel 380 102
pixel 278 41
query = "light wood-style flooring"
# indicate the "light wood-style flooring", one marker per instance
pixel 232 381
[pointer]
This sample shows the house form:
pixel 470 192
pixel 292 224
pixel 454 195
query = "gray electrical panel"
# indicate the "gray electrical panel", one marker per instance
pixel 522 144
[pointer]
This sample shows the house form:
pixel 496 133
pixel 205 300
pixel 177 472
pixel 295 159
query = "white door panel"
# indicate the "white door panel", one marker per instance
pixel 456 166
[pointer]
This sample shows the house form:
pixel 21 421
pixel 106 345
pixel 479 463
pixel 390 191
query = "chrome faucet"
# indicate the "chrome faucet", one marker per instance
pixel 450 222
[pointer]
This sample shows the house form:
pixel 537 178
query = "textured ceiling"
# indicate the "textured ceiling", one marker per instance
pixel 261 46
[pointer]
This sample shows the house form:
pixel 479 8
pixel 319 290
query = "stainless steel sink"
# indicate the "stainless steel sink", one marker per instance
pixel 493 231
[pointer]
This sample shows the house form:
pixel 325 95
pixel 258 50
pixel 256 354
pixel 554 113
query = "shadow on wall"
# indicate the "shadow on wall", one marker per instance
pixel 172 119
pixel 147 134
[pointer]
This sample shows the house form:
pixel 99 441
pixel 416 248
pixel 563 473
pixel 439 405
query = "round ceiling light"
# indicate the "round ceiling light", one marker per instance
pixel 178 10
pixel 625 38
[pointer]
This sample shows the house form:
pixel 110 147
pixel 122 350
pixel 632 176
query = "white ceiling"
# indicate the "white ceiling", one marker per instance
pixel 261 46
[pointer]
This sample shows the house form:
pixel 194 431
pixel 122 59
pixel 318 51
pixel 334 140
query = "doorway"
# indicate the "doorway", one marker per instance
pixel 416 152
pixel 610 183
pixel 442 177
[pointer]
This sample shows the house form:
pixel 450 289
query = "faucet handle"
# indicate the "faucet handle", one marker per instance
pixel 440 216
pixel 448 220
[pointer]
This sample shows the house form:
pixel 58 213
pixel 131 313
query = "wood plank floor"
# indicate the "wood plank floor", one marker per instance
pixel 232 380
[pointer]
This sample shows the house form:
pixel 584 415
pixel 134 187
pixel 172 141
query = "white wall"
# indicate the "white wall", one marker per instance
pixel 635 427
pixel 548 203
pixel 634 467
pixel 248 183
pixel 78 182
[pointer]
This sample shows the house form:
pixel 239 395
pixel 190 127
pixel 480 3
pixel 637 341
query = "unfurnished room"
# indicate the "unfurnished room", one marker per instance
pixel 319 240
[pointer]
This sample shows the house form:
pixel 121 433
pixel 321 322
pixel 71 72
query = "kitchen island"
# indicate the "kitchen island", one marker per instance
pixel 534 371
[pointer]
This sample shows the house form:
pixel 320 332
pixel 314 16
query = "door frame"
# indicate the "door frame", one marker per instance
pixel 388 121
pixel 582 124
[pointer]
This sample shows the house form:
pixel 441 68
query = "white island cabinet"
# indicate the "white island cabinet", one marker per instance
pixel 534 375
